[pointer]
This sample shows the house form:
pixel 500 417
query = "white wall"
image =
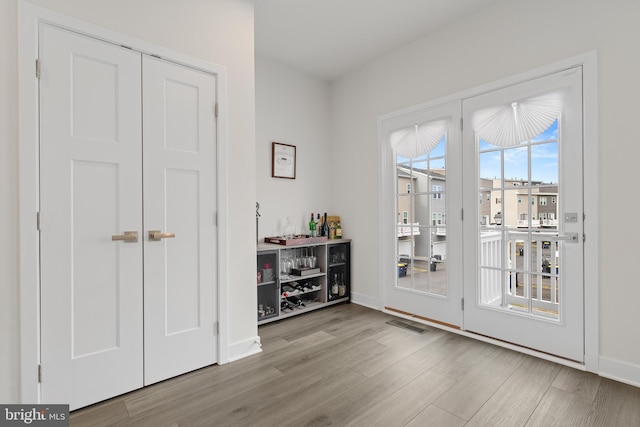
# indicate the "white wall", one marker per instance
pixel 218 31
pixel 9 344
pixel 292 108
pixel 505 39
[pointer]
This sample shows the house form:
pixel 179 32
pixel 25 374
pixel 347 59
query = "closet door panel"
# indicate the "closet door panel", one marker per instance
pixel 179 204
pixel 90 190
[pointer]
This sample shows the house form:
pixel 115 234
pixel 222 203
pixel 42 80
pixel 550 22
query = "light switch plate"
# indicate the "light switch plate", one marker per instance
pixel 571 217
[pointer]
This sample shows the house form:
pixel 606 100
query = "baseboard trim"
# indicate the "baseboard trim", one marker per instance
pixel 617 370
pixel 243 349
pixel 365 301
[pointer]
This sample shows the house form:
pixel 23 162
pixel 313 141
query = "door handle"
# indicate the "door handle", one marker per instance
pixel 158 235
pixel 569 237
pixel 128 236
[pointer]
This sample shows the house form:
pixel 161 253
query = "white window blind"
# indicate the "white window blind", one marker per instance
pixel 510 124
pixel 419 139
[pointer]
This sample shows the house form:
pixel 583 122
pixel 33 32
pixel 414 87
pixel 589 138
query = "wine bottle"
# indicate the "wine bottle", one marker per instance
pixel 318 225
pixel 338 231
pixel 312 227
pixel 325 226
pixel 332 230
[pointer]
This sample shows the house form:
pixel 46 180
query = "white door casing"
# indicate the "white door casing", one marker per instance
pixel 92 162
pixel 179 198
pixel 91 189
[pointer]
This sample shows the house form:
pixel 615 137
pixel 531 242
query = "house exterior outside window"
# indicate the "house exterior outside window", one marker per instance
pixel 437 191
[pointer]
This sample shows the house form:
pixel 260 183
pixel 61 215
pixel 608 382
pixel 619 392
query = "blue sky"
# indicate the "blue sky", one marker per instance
pixel 544 159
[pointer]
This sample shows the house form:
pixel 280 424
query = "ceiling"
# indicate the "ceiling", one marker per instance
pixel 328 38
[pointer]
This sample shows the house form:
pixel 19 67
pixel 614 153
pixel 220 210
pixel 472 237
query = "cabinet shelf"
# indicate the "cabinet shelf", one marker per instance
pixel 299 310
pixel 297 293
pixel 290 278
pixel 266 283
pixel 267 317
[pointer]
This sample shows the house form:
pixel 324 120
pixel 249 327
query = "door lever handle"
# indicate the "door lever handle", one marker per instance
pixel 569 237
pixel 159 235
pixel 128 236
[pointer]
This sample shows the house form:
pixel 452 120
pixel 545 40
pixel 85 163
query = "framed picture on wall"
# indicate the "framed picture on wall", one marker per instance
pixel 283 160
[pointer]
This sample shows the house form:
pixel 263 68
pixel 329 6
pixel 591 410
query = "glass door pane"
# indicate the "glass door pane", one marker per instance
pixel 518 223
pixel 422 221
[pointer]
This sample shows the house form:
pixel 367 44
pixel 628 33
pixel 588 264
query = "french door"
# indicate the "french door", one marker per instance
pixel 127 226
pixel 522 148
pixel 427 160
pixel 489 220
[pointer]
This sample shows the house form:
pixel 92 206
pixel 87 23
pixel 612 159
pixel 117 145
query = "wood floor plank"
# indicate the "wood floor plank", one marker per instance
pixel 195 383
pixel 393 350
pixel 176 403
pixel 561 408
pixel 464 355
pixel 301 403
pixel 255 403
pixel 615 404
pixel 513 403
pixel 433 416
pixel 346 407
pixel 480 381
pixel 100 415
pixel 402 406
pixel 577 382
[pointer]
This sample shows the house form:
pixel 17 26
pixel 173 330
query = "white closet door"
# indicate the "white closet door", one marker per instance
pixel 90 157
pixel 179 203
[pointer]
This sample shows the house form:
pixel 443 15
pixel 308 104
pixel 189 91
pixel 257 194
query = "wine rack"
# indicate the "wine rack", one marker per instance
pixel 292 280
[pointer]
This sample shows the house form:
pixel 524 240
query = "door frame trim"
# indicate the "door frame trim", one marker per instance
pixel 589 63
pixel 29 18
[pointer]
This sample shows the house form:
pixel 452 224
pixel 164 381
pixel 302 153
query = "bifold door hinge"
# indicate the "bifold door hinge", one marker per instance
pixel 461 124
pixel 37 68
pixel 39 373
pixel 462 303
pixel 38 221
pixel 462 214
pixel 216 109
pixel 216 328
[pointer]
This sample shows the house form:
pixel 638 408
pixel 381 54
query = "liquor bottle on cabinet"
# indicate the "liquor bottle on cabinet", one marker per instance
pixel 325 226
pixel 312 227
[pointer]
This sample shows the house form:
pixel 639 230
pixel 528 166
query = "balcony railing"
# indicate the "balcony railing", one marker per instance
pixel 547 223
pixel 503 262
pixel 405 230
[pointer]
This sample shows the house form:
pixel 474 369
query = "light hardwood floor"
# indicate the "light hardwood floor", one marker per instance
pixel 345 365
